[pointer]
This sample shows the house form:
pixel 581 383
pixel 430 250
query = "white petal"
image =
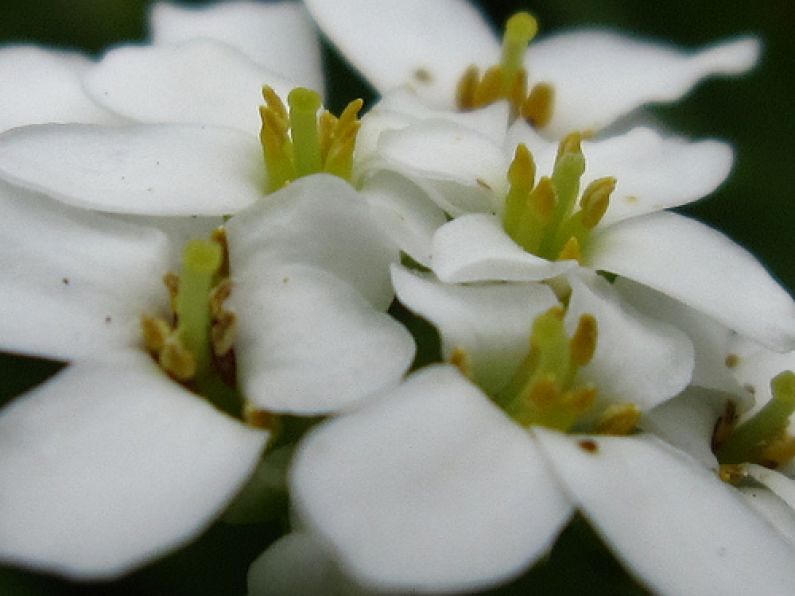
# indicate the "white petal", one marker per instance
pixel 780 515
pixel 298 563
pixel 311 273
pixel 600 76
pixel 110 465
pixel 425 44
pixel 403 212
pixel 430 489
pixel 146 169
pixel 278 35
pixel 710 339
pixel 638 359
pixel 476 248
pixel 781 485
pixel 674 524
pixel 688 421
pixel 470 164
pixel 44 86
pixel 198 82
pixel 756 367
pixel 491 323
pixel 75 283
pixel 654 172
pixel 701 267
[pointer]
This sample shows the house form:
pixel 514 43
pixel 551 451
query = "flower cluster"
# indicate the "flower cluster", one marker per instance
pixel 234 274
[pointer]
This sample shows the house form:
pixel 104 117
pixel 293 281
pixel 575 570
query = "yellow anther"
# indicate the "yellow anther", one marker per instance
pixel 580 400
pixel 543 198
pixel 583 342
pixel 326 125
pixel 171 281
pixel 571 143
pixel 544 391
pixel 177 360
pixel 260 418
pixel 618 419
pixel 571 251
pixel 489 89
pixel 517 90
pixel 218 295
pixel 155 331
pixel 538 107
pixel 595 201
pixel 522 171
pixel 219 236
pixel 223 332
pixel 725 425
pixel 466 89
pixel 731 473
pixel 461 359
pixel 275 105
pixel 779 452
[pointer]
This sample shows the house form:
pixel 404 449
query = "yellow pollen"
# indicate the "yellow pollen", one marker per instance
pixel 732 360
pixel 595 200
pixel 583 342
pixel 537 107
pixel 779 452
pixel 731 473
pixel 155 331
pixel 571 251
pixel 618 419
pixel 177 360
pixel 571 143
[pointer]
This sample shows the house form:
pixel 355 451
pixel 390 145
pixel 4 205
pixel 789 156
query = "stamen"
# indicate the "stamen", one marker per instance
pixel 583 342
pixel 537 108
pixel 750 440
pixel 466 89
pixel 618 419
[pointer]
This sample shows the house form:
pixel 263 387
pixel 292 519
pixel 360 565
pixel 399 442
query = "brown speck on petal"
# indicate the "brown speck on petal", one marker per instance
pixel 589 445
pixel 423 75
pixel 65 281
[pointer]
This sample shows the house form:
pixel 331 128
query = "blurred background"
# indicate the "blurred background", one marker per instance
pixel 754 207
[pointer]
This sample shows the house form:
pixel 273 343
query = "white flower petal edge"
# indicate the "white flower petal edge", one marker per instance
pixel 427 45
pixel 110 464
pixel 158 169
pixel 278 35
pixel 310 269
pixel 441 491
pixel 197 82
pixel 600 76
pixel 780 514
pixel 702 268
pixel 490 323
pixel 674 524
pixel 475 247
pixel 638 359
pixel 75 283
pixel 43 86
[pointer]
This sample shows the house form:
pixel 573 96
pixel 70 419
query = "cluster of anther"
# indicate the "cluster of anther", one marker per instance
pixel 541 218
pixel 544 389
pixel 194 347
pixel 508 80
pixel 763 438
pixel 298 142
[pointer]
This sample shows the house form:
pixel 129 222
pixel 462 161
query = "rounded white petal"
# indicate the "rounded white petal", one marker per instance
pixel 765 502
pixel 75 283
pixel 430 489
pixel 157 169
pixel 673 523
pixel 197 82
pixel 701 267
pixel 44 86
pixel 599 76
pixel 427 45
pixel 298 563
pixel 310 269
pixel 278 35
pixel 403 212
pixel 688 422
pixel 638 359
pixel 476 248
pixel 711 340
pixel 111 464
pixel 654 172
pixel 490 323
pixel 470 166
pixel 783 486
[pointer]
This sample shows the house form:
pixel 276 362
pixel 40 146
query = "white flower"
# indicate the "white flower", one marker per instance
pixel 190 104
pixel 110 463
pixel 597 76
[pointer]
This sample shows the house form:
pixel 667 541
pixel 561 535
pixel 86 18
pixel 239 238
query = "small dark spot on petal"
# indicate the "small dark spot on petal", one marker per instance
pixel 732 360
pixel 482 183
pixel 631 199
pixel 423 75
pixel 285 280
pixel 589 445
pixel 149 189
pixel 65 281
pixel 108 319
pixel 750 389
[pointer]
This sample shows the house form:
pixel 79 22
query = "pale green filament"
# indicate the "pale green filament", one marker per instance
pixel 202 259
pixel 542 218
pixel 520 29
pixel 543 389
pixel 306 140
pixel 751 438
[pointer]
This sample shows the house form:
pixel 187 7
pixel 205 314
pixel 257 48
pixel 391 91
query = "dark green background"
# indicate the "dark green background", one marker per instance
pixel 754 208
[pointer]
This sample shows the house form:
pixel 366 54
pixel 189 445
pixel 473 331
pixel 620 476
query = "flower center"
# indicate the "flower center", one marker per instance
pixel 544 389
pixel 298 142
pixel 762 439
pixel 508 80
pixel 541 218
pixel 195 347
